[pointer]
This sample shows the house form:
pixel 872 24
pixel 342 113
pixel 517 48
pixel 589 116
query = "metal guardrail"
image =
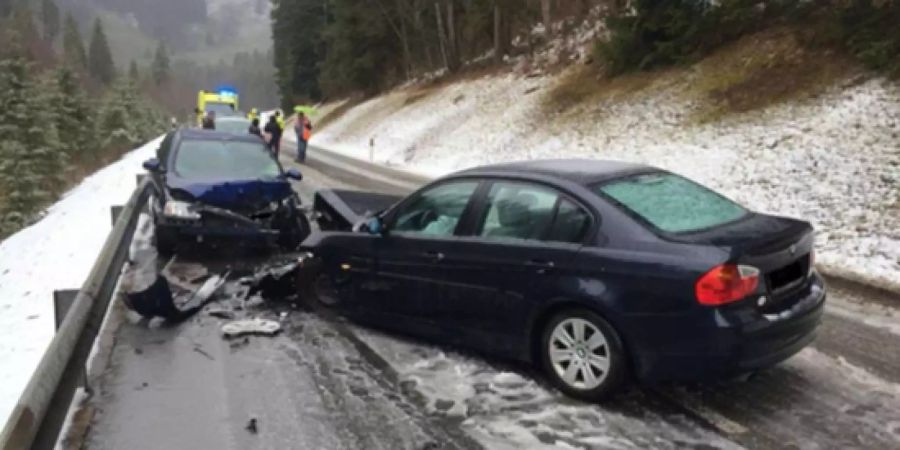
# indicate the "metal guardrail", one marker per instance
pixel 38 417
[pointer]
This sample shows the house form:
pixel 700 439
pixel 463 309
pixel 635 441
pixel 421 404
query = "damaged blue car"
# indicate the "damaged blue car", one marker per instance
pixel 214 187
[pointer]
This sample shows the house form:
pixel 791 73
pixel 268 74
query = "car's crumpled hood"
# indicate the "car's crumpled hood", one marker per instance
pixel 243 196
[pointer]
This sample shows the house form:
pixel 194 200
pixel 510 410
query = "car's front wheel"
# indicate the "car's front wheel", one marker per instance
pixel 583 355
pixel 325 292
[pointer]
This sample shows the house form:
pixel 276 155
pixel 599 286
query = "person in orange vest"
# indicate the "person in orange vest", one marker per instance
pixel 303 128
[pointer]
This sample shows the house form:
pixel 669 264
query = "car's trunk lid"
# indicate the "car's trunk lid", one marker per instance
pixel 781 248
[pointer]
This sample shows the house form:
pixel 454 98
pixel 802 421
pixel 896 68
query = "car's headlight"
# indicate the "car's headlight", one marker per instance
pixel 180 210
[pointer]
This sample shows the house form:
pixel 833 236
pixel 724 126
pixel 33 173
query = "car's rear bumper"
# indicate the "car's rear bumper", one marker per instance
pixel 739 342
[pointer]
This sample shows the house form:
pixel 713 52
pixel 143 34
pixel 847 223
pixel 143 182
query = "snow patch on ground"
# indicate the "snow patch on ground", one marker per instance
pixel 833 160
pixel 506 410
pixel 57 252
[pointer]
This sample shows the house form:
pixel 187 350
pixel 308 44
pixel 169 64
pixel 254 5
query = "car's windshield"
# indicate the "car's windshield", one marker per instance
pixel 233 126
pixel 671 203
pixel 219 108
pixel 224 159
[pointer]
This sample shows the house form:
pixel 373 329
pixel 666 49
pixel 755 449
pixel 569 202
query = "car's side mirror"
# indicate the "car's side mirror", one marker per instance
pixel 374 225
pixel 293 174
pixel 153 165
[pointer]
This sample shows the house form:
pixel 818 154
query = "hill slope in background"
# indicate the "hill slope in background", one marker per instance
pixel 200 31
pixel 826 149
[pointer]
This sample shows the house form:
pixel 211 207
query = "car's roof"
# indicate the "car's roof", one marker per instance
pixel 198 134
pixel 582 171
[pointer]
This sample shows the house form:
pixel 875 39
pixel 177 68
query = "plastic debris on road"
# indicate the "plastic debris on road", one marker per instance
pixel 251 327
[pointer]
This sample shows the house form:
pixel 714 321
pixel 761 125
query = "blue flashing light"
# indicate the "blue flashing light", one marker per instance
pixel 226 90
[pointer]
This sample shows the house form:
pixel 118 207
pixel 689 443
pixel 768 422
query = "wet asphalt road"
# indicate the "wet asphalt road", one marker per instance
pixel 324 383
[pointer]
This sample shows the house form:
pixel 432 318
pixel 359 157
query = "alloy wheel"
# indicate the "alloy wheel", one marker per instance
pixel 579 353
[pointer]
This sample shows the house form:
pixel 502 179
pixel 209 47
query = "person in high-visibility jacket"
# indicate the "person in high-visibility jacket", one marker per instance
pixel 253 114
pixel 279 119
pixel 303 128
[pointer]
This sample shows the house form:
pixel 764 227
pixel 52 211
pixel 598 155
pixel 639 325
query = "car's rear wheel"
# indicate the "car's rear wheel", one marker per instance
pixel 583 355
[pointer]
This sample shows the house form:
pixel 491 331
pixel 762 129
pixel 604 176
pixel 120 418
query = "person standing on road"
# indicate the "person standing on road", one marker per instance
pixel 254 128
pixel 274 132
pixel 209 122
pixel 303 128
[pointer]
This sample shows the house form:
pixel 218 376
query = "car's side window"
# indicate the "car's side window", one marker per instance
pixel 436 211
pixel 529 211
pixel 518 211
pixel 571 223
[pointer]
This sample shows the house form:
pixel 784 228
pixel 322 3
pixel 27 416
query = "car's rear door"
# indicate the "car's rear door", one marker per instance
pixel 409 257
pixel 520 250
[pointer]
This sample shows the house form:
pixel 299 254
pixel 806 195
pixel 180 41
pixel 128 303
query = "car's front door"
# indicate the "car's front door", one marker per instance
pixel 409 257
pixel 520 252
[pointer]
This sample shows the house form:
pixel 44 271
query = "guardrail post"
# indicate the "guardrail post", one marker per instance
pixel 62 301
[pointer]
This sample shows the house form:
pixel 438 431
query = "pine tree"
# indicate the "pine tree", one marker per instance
pixel 29 152
pixel 133 73
pixel 126 119
pixel 74 120
pixel 73 46
pixel 161 65
pixel 100 61
pixel 298 47
pixel 50 19
pixel 22 24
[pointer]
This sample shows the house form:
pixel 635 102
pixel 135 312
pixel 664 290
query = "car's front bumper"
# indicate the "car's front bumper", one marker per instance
pixel 217 224
pixel 725 342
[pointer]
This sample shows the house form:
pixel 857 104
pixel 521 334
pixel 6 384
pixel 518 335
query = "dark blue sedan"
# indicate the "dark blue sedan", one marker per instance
pixel 214 186
pixel 597 271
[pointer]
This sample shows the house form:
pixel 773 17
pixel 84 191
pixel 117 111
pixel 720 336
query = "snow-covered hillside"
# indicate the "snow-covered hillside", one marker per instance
pixel 833 159
pixel 55 253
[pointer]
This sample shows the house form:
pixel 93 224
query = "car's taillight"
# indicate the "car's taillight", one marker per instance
pixel 726 283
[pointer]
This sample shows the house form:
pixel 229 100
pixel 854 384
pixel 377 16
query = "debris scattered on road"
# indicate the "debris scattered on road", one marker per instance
pixel 221 313
pixel 185 275
pixel 279 281
pixel 200 350
pixel 257 326
pixel 273 282
pixel 251 426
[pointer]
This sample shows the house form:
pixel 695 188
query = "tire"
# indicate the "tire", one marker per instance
pixel 324 292
pixel 576 366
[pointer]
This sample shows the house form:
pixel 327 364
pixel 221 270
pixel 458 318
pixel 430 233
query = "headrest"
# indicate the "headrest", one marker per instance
pixel 515 211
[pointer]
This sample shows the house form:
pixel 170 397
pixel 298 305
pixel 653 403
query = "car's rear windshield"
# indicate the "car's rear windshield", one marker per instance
pixel 671 203
pixel 233 126
pixel 224 159
pixel 219 107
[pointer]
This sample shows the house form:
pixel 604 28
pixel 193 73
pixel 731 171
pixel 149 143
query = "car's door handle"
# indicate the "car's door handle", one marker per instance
pixel 541 266
pixel 434 256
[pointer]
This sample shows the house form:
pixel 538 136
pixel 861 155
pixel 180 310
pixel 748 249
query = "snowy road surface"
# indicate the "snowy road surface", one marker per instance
pixel 325 383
